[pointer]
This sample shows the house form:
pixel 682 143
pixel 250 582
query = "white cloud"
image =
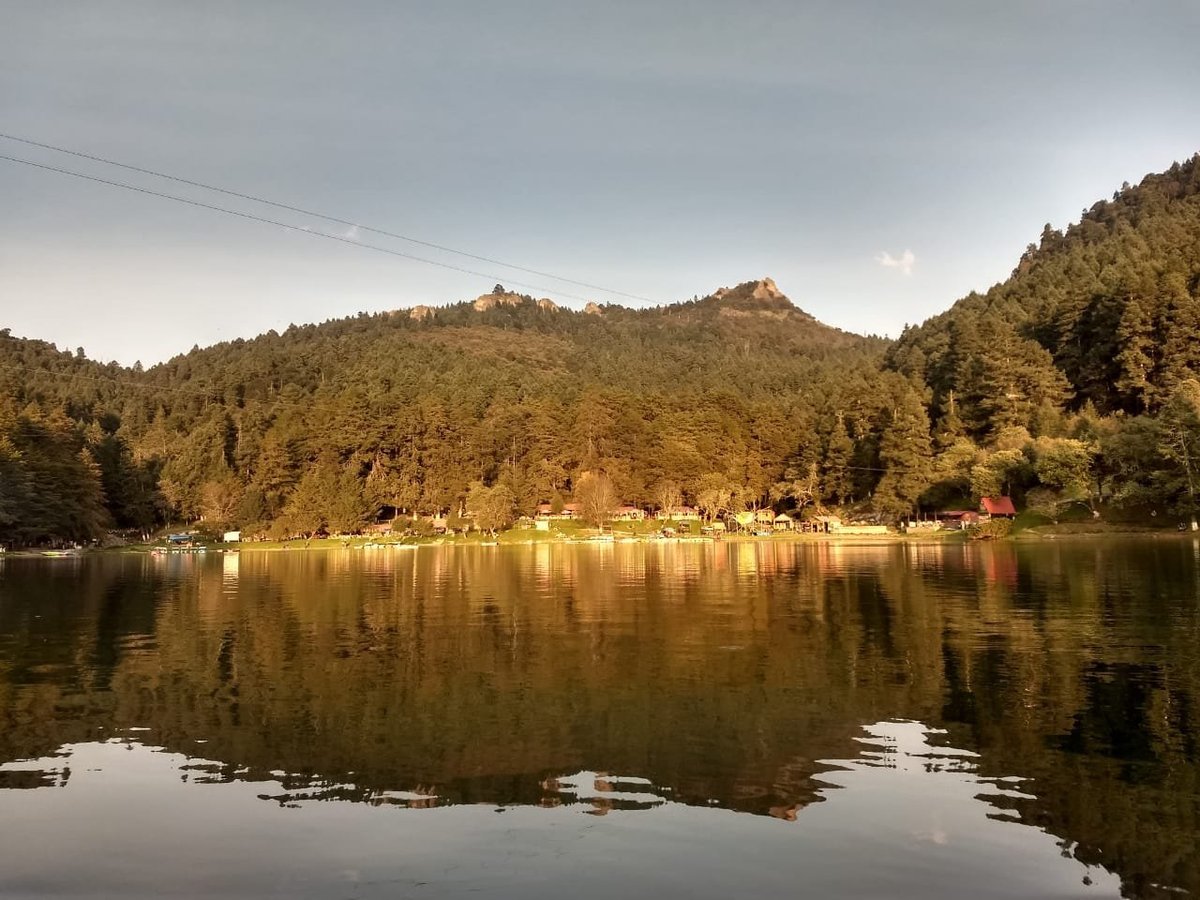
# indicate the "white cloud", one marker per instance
pixel 351 233
pixel 904 262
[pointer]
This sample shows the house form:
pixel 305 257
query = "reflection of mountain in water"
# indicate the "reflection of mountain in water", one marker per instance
pixel 915 807
pixel 721 674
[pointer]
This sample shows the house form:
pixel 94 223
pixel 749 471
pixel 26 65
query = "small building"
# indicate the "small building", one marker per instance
pixel 629 514
pixel 764 517
pixel 783 522
pixel 998 507
pixel 568 511
pixel 678 514
pixel 957 518
pixel 823 524
pixel 231 537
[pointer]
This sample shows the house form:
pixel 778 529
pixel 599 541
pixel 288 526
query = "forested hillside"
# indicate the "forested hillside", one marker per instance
pixel 331 425
pixel 1070 383
pixel 1082 365
pixel 1104 313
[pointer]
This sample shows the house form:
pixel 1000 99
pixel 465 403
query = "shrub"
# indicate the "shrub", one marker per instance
pixel 991 530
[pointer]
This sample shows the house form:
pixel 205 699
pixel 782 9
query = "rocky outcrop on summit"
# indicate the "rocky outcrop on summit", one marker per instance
pixel 760 298
pixel 491 301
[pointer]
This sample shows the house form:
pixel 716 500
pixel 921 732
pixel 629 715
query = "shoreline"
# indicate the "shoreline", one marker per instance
pixel 1038 534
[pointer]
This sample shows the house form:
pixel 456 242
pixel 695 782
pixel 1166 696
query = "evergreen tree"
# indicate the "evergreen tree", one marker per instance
pixel 839 479
pixel 1179 443
pixel 905 452
pixel 1135 358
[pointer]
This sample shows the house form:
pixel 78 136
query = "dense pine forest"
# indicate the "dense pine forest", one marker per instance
pixel 1070 385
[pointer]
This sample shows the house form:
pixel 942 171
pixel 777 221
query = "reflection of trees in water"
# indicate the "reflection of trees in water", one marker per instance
pixel 720 672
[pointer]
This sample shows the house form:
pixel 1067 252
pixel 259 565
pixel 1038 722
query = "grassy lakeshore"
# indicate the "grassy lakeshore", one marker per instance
pixel 641 533
pixel 588 537
pixel 574 534
pixel 562 533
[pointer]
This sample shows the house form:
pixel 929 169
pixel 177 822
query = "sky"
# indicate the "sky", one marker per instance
pixel 879 160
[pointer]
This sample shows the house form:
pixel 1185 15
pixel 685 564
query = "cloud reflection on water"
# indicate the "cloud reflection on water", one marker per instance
pixel 905 817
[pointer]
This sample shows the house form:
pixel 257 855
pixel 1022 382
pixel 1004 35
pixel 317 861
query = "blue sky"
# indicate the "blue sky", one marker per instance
pixel 661 149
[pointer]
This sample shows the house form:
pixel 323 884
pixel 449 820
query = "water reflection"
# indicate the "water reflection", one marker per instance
pixel 903 819
pixel 680 681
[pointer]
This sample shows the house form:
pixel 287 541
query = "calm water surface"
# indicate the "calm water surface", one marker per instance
pixel 739 720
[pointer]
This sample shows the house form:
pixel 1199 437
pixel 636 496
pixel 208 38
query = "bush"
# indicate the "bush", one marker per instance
pixel 1076 511
pixel 1031 519
pixel 991 530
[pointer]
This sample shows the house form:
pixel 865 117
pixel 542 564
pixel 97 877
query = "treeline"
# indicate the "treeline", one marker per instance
pixel 63 481
pixel 1069 384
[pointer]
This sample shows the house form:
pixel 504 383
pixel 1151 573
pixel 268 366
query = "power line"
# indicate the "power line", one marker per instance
pixel 327 218
pixel 302 229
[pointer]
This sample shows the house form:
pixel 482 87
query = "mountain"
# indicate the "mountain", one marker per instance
pixel 404 410
pixel 1106 313
pixel 1071 383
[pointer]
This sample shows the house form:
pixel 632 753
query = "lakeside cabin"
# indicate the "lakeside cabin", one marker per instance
pixel 822 524
pixel 568 511
pixel 997 507
pixel 957 519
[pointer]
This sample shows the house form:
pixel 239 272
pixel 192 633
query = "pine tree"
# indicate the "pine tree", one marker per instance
pixel 905 453
pixel 839 478
pixel 15 493
pixel 951 428
pixel 1179 443
pixel 1179 338
pixel 1135 337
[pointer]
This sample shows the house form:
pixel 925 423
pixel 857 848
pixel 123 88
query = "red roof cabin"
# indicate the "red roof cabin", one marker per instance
pixel 998 507
pixel 546 511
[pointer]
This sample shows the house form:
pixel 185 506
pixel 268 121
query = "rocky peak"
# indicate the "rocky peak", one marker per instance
pixel 491 301
pixel 750 297
pixel 765 289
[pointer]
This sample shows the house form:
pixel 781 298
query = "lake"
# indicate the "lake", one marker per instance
pixel 680 720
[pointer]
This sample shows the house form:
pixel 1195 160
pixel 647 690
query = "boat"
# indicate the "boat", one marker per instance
pixel 58 554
